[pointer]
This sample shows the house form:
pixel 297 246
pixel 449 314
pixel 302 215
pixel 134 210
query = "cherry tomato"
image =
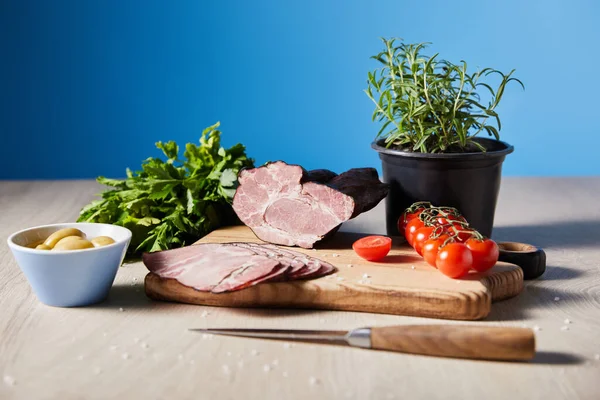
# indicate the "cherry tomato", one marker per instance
pixel 462 233
pixel 454 260
pixel 441 220
pixel 420 237
pixel 405 218
pixel 431 247
pixel 485 253
pixel 372 248
pixel 411 229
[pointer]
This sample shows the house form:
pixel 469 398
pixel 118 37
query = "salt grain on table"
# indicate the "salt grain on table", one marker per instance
pixel 366 276
pixel 125 356
pixel 537 328
pixel 226 369
pixel 597 357
pixel 136 340
pixel 144 345
pixel 564 328
pixel 266 367
pixel 339 279
pixel 350 265
pixel 275 362
pixel 254 352
pixel 204 314
pixel 97 371
pixel 180 357
pixel 557 298
pixel 567 321
pixel 285 374
pixel 412 267
pixel 9 380
pixel 335 255
pixel 121 309
pixel 313 381
pixel 113 348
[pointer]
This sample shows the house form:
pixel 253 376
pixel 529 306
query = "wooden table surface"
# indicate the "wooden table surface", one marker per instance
pixel 130 347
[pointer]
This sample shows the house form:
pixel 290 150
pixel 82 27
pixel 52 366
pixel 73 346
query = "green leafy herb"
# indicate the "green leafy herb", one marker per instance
pixel 173 202
pixel 430 105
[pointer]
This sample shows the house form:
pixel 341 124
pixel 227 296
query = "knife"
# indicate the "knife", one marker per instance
pixel 472 342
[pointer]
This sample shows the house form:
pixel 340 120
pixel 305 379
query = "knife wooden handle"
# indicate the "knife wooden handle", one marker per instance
pixel 475 342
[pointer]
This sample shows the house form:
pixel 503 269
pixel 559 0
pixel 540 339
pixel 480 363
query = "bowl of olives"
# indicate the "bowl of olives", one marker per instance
pixel 71 264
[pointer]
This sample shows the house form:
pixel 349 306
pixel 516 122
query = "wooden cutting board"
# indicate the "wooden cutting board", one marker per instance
pixel 401 284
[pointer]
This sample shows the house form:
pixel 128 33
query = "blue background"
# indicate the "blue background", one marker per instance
pixel 87 87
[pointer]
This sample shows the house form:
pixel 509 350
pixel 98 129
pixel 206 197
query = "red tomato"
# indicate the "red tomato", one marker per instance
pixel 462 233
pixel 431 247
pixel 421 236
pixel 373 248
pixel 485 253
pixel 411 229
pixel 454 260
pixel 405 218
pixel 441 220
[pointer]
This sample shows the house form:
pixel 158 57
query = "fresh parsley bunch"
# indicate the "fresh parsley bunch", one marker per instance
pixel 175 202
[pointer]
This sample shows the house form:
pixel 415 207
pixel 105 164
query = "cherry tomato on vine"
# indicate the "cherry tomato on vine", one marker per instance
pixel 460 233
pixel 454 260
pixel 448 219
pixel 420 237
pixel 431 247
pixel 405 218
pixel 411 229
pixel 372 248
pixel 485 253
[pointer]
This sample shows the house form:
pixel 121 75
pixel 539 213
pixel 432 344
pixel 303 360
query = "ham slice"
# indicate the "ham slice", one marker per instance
pixel 226 267
pixel 285 204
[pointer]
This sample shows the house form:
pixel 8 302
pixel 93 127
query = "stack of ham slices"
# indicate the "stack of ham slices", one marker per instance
pixel 226 267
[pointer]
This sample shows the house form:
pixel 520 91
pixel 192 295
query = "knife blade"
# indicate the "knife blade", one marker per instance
pixel 458 341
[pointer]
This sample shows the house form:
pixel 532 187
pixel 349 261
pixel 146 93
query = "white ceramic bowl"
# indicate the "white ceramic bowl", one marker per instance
pixel 74 277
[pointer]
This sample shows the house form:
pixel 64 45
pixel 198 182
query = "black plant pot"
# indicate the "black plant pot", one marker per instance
pixel 468 181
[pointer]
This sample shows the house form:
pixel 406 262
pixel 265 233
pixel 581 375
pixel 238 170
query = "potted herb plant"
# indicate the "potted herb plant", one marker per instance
pixel 431 113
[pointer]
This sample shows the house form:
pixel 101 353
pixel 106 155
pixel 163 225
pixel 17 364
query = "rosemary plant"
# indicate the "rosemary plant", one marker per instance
pixel 430 105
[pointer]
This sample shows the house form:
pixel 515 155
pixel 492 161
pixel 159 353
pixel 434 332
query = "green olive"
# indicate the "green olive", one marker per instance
pixel 63 233
pixel 42 247
pixel 102 241
pixel 73 243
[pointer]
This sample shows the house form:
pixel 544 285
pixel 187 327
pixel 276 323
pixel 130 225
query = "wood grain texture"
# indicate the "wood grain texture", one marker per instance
pixel 401 284
pixel 473 342
pixel 78 353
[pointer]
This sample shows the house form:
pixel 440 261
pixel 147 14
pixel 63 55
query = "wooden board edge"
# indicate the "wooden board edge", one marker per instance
pixel 506 285
pixel 472 305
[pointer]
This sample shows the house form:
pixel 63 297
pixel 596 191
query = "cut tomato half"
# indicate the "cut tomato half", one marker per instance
pixel 373 248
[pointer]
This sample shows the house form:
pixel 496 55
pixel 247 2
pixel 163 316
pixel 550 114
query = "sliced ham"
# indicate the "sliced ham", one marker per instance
pixel 314 266
pixel 285 204
pixel 226 267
